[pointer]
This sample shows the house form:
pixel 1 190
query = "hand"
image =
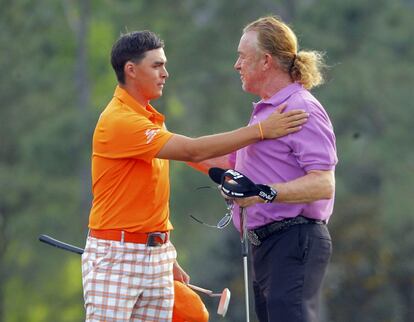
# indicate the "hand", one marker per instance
pixel 179 274
pixel 249 201
pixel 226 197
pixel 280 124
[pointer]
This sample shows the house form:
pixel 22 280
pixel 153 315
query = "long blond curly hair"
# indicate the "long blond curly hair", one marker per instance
pixel 276 38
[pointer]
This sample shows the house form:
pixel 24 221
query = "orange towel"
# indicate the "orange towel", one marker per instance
pixel 188 306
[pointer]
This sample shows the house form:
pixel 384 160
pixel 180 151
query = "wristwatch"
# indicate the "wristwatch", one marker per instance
pixel 267 193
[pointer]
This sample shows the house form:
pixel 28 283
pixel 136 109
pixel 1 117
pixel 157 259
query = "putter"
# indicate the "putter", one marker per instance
pixel 236 185
pixel 224 295
pixel 224 298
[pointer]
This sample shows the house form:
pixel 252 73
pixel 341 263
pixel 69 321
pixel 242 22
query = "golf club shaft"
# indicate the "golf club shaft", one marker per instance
pixel 199 289
pixel 244 243
pixel 59 244
pixel 246 288
pixel 245 251
pixel 205 291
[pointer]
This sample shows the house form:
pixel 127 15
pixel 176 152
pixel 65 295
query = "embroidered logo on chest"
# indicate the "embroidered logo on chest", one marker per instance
pixel 150 134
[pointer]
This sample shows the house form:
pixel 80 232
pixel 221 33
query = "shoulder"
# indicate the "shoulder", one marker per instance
pixel 306 101
pixel 303 99
pixel 318 121
pixel 117 122
pixel 119 115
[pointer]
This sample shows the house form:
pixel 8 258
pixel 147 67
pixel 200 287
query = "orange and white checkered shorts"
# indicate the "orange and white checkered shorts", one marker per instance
pixel 127 281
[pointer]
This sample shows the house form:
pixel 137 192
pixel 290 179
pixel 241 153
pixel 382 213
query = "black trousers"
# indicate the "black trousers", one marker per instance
pixel 288 271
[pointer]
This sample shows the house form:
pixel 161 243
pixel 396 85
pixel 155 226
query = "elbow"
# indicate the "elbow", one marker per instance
pixel 194 153
pixel 195 158
pixel 198 155
pixel 329 187
pixel 325 184
pixel 329 191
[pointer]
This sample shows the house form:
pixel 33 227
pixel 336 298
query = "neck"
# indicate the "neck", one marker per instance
pixel 274 83
pixel 135 94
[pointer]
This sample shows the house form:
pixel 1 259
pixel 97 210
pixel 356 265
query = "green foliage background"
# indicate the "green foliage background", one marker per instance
pixel 55 79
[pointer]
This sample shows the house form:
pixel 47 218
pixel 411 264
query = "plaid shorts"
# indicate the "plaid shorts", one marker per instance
pixel 127 281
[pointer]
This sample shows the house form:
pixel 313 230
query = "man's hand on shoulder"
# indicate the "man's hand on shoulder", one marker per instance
pixel 279 124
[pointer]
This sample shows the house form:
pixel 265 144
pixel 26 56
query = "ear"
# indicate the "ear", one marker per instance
pixel 268 62
pixel 129 69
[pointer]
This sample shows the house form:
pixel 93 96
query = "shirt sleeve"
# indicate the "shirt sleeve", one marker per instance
pixel 314 145
pixel 130 136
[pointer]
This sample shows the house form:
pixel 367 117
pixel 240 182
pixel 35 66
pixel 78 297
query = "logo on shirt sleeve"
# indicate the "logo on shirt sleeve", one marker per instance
pixel 150 134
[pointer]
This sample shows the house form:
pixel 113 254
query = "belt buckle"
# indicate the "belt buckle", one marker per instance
pixel 153 239
pixel 253 238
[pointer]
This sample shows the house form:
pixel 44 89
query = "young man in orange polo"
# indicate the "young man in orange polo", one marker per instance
pixel 129 263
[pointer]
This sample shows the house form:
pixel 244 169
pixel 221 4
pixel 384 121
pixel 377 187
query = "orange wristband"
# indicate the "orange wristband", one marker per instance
pixel 261 131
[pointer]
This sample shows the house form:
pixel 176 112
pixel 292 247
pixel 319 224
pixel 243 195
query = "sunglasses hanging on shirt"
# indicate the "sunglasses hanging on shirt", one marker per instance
pixel 224 221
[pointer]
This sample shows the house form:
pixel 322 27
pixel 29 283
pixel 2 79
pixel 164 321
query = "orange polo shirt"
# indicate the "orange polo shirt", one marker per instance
pixel 130 186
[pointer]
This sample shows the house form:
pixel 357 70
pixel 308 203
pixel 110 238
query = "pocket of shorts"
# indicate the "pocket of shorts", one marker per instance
pixel 103 255
pixel 304 244
pixel 324 246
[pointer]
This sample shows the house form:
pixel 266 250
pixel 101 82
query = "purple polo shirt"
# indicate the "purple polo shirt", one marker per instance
pixel 287 158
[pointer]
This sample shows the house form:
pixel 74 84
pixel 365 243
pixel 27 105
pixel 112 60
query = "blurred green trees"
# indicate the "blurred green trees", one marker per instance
pixel 56 78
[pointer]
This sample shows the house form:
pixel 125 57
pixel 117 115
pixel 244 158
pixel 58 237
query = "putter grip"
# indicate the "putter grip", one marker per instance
pixel 57 243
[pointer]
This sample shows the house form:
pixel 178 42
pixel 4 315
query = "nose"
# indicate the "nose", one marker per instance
pixel 237 64
pixel 164 73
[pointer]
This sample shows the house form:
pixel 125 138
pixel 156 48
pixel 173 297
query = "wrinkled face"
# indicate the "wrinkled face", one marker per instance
pixel 248 63
pixel 150 74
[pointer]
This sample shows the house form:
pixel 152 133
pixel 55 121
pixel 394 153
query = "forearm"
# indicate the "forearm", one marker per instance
pixel 315 185
pixel 212 146
pixel 183 148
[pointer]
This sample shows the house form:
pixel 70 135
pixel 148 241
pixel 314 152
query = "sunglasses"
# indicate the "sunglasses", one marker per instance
pixel 223 222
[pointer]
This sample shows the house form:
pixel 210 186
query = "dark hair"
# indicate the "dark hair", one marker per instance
pixel 132 47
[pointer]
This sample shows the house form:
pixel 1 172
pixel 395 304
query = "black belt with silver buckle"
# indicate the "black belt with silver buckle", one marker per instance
pixel 258 235
pixel 157 239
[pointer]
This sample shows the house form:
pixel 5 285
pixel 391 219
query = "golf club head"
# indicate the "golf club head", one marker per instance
pixel 216 174
pixel 233 183
pixel 224 302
